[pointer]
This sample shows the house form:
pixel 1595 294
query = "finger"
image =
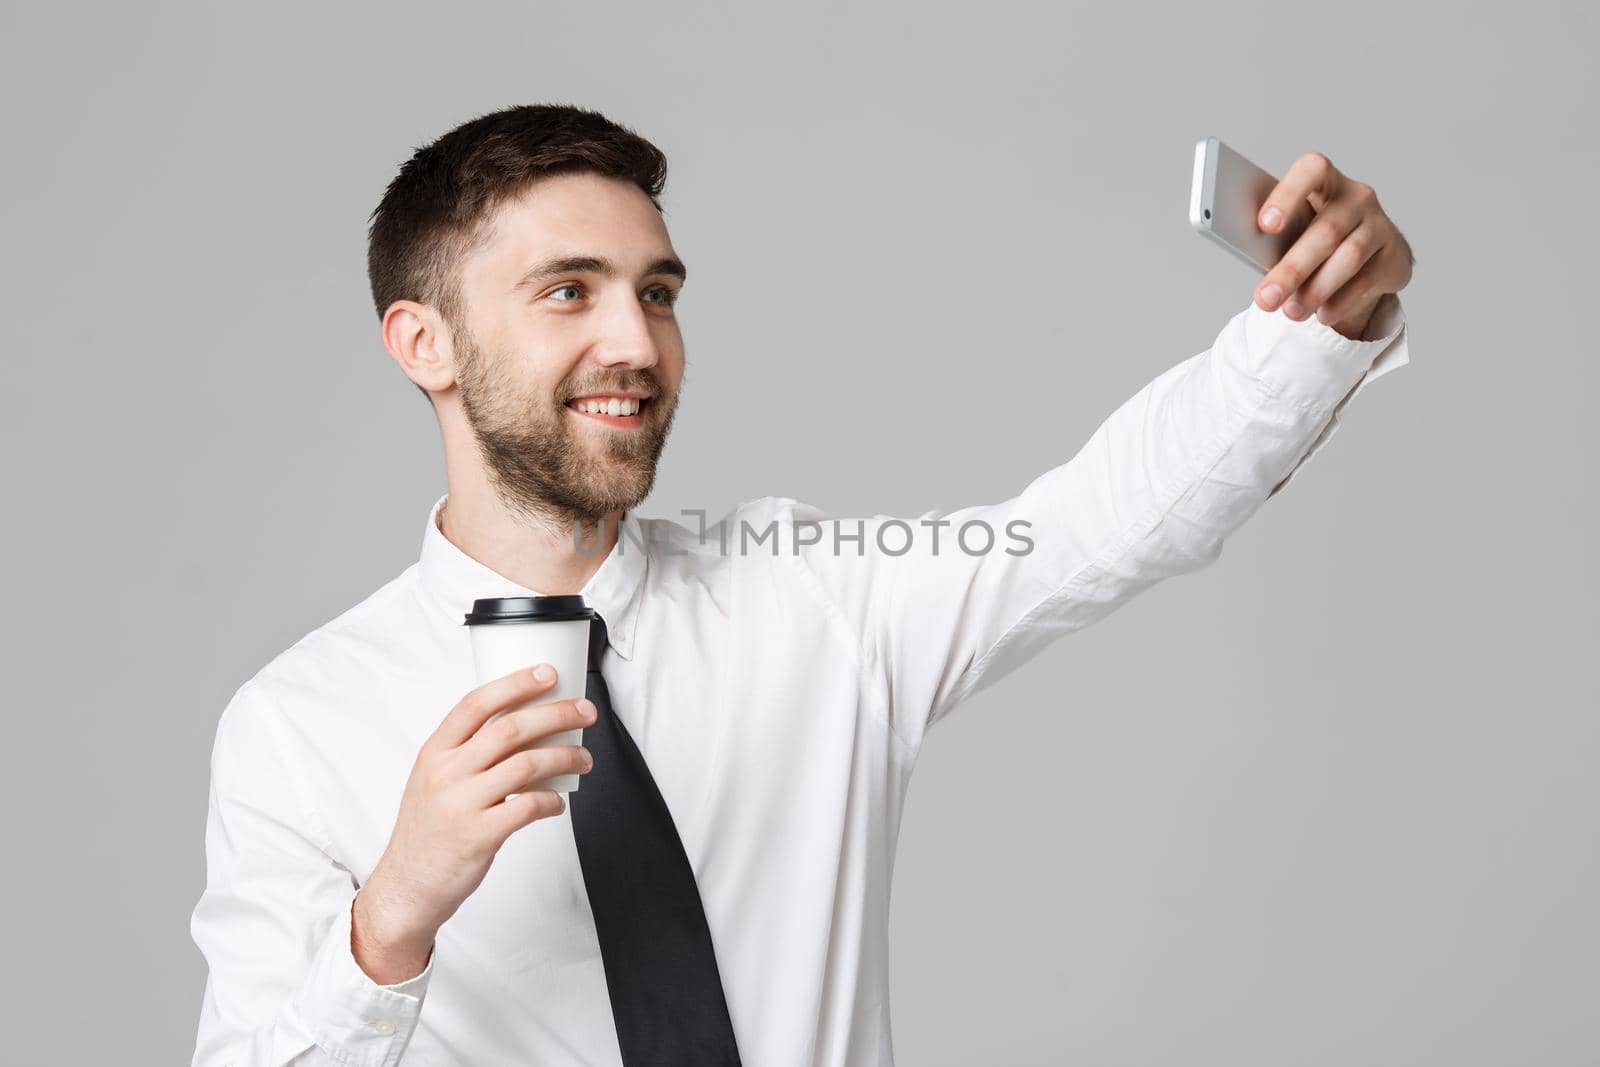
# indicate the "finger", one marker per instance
pixel 1311 177
pixel 476 708
pixel 1325 233
pixel 1352 254
pixel 520 728
pixel 515 812
pixel 1366 281
pixel 518 771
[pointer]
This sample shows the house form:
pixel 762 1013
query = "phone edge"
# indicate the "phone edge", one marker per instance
pixel 1203 189
pixel 1202 182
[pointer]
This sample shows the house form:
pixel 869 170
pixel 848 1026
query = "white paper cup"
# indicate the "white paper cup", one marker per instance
pixel 516 633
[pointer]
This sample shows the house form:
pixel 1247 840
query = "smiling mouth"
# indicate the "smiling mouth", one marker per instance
pixel 619 411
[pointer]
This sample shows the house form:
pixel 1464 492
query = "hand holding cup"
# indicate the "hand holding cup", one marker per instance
pixel 468 791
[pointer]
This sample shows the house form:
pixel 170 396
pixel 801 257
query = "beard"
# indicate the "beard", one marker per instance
pixel 545 466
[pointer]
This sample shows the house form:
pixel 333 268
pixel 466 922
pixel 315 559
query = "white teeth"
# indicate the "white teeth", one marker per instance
pixel 611 406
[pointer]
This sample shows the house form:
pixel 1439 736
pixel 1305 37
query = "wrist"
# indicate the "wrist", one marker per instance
pixel 1354 323
pixel 387 947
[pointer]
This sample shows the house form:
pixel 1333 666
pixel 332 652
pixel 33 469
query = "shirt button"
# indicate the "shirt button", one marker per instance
pixel 384 1026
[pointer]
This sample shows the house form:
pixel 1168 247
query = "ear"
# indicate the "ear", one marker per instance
pixel 418 339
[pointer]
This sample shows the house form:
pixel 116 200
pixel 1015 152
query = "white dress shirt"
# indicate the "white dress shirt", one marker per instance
pixel 780 691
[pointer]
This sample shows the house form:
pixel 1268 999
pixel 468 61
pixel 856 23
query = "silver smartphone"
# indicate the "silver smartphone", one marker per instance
pixel 1225 199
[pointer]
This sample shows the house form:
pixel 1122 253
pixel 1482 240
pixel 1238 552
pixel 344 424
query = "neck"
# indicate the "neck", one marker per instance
pixel 541 552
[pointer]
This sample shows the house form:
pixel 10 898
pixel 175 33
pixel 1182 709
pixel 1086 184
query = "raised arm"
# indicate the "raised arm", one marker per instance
pixel 1154 493
pixel 937 614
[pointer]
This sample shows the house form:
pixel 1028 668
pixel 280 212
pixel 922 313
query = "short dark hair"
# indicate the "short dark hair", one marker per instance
pixel 433 213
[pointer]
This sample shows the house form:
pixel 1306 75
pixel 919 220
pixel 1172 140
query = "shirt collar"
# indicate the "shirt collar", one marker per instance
pixel 453 579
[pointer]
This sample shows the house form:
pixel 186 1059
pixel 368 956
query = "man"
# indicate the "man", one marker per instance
pixel 717 889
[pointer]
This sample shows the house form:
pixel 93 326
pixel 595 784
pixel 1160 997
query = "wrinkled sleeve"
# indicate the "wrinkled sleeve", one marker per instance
pixel 273 922
pixel 945 603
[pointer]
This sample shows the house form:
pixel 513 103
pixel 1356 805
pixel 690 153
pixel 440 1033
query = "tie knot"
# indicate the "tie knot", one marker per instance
pixel 597 641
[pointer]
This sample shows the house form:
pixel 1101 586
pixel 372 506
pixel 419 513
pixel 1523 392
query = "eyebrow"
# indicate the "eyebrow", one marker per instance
pixel 559 265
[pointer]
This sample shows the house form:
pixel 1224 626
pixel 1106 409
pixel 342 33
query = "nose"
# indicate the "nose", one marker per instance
pixel 624 337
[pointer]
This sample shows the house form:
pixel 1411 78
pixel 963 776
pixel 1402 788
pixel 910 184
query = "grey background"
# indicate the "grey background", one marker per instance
pixel 1330 801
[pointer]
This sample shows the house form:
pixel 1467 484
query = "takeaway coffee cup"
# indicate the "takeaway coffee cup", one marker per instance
pixel 518 632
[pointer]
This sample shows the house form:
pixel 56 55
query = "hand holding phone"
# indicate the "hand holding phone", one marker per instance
pixel 1324 242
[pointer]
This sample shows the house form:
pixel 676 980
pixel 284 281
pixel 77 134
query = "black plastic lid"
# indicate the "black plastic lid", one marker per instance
pixel 528 609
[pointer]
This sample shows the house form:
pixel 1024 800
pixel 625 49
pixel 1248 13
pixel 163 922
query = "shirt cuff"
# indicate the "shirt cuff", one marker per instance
pixel 353 1018
pixel 1313 366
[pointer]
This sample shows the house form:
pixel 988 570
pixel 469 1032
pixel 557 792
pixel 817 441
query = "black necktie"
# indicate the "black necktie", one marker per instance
pixel 661 970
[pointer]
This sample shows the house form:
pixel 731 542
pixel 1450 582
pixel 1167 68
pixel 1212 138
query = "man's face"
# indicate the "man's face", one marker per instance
pixel 540 346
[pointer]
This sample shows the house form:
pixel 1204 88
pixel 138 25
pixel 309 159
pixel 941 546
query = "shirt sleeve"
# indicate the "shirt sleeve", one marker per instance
pixel 274 920
pixel 946 603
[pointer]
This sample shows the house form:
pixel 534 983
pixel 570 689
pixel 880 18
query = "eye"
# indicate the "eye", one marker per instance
pixel 669 295
pixel 572 286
